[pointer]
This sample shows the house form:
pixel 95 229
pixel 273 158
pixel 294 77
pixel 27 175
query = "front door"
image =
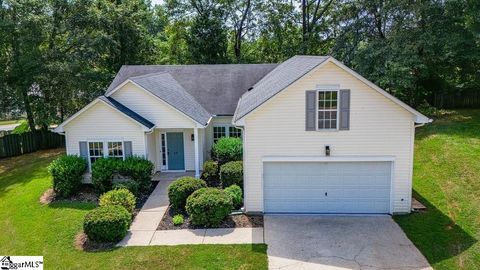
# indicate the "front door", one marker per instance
pixel 175 151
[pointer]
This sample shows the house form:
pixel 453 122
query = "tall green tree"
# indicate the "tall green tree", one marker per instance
pixel 207 38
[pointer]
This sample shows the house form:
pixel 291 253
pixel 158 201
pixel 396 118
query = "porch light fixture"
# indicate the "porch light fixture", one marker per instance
pixel 192 137
pixel 327 150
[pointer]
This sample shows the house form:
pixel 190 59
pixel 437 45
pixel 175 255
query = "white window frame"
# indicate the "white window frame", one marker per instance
pixel 105 149
pixel 317 109
pixel 219 126
pixel 227 131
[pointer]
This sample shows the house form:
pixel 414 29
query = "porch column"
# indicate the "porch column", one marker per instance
pixel 197 157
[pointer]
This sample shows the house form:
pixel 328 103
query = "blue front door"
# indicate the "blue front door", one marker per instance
pixel 175 151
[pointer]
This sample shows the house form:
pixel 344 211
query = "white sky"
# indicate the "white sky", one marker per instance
pixel 156 2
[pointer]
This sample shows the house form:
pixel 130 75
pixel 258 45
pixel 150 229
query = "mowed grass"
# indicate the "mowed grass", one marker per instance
pixel 447 181
pixel 29 228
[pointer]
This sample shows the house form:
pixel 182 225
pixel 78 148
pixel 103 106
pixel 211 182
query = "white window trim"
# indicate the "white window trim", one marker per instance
pixel 317 109
pixel 105 149
pixel 219 126
pixel 227 131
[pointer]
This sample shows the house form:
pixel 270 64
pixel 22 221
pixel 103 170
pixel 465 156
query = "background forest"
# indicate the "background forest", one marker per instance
pixel 58 55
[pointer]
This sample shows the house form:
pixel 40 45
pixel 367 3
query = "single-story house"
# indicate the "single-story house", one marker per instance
pixel 318 137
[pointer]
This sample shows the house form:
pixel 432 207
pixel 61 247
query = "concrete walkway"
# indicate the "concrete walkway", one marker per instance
pixel 143 231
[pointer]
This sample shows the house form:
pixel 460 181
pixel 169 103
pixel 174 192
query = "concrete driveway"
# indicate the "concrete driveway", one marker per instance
pixel 335 242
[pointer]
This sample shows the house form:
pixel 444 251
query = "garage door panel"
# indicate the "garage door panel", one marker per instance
pixel 327 187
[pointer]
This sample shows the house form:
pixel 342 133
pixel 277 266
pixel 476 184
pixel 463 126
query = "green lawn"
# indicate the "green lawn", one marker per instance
pixel 447 181
pixel 28 228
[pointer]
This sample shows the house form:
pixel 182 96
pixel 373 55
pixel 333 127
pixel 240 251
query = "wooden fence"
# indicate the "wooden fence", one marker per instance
pixel 19 144
pixel 458 100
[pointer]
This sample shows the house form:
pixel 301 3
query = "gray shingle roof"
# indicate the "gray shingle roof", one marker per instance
pixel 216 87
pixel 164 86
pixel 278 79
pixel 120 107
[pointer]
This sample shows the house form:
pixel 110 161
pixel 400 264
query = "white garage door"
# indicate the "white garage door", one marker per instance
pixel 327 187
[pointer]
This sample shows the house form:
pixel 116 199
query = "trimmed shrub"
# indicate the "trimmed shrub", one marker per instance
pixel 107 224
pixel 180 189
pixel 210 173
pixel 227 149
pixel 235 192
pixel 131 185
pixel 231 173
pixel 177 220
pixel 67 173
pixel 139 170
pixel 208 206
pixel 122 197
pixel 103 171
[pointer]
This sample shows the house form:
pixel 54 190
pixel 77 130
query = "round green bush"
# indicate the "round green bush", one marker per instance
pixel 107 224
pixel 67 173
pixel 122 197
pixel 227 149
pixel 208 206
pixel 180 189
pixel 102 173
pixel 131 185
pixel 235 192
pixel 139 170
pixel 177 220
pixel 210 173
pixel 231 173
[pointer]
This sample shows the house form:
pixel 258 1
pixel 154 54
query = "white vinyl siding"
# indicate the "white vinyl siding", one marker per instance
pixel 218 121
pixel 101 123
pixel 150 107
pixel 277 128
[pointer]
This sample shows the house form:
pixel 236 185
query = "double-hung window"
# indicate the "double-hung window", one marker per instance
pixel 95 151
pixel 234 132
pixel 219 132
pixel 327 110
pixel 105 149
pixel 225 131
pixel 115 150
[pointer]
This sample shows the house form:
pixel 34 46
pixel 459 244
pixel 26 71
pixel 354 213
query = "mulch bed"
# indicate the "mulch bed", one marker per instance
pixel 85 194
pixel 83 243
pixel 88 194
pixel 232 221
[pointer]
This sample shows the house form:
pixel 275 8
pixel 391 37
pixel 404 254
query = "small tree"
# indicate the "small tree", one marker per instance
pixel 227 149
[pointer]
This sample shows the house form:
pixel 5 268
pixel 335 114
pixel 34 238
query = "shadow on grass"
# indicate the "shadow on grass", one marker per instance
pixel 72 205
pixel 434 233
pixel 259 248
pixel 23 169
pixel 461 123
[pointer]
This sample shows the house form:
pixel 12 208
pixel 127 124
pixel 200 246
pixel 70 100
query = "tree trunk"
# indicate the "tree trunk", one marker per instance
pixel 28 110
pixel 304 26
pixel 239 33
